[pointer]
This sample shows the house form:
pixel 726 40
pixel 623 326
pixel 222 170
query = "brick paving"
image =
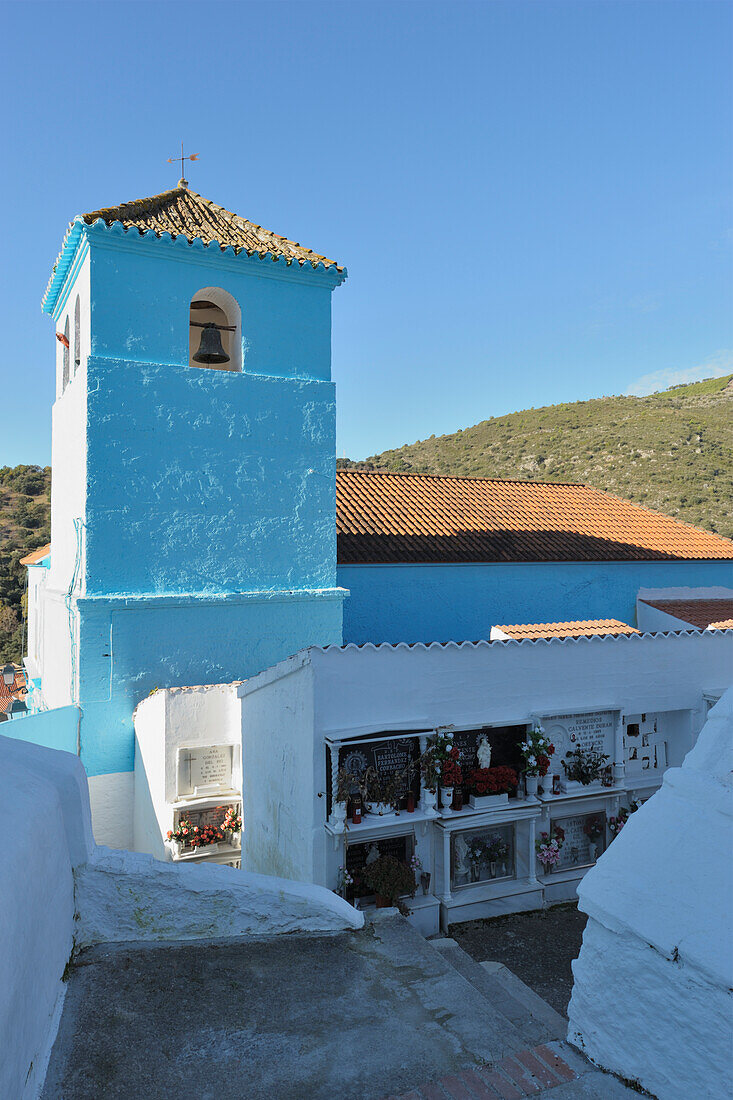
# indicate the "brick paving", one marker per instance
pixel 532 1072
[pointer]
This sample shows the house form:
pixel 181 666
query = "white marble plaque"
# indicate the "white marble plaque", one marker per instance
pixel 571 731
pixel 205 769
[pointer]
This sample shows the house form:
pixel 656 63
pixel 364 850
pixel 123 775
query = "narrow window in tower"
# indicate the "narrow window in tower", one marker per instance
pixel 65 377
pixel 215 330
pixel 77 334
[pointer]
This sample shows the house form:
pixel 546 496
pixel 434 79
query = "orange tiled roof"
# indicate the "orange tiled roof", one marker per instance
pixel 17 691
pixel 581 628
pixel 36 555
pixel 700 613
pixel 182 212
pixel 384 517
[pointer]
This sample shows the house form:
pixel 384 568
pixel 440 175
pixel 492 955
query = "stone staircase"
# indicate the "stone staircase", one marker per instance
pixel 356 1015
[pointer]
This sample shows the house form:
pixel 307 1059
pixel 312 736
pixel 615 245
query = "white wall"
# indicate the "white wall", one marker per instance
pixel 507 682
pixel 284 771
pixel 651 999
pixel 170 719
pixel 59 891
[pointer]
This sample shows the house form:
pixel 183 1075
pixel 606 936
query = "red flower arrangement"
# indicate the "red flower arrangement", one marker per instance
pixel 210 834
pixel 543 762
pixel 499 780
pixel 450 771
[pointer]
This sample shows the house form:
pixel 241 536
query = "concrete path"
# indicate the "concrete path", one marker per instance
pixel 356 1015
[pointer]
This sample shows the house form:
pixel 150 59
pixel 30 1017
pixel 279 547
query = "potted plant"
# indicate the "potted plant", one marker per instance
pixel 430 779
pixel 346 784
pixel 536 751
pixel 451 776
pixel 583 768
pixel 594 828
pixel 391 879
pixel 491 786
pixel 232 826
pixel 548 848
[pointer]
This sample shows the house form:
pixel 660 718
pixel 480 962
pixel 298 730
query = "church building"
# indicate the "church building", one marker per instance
pixel 201 538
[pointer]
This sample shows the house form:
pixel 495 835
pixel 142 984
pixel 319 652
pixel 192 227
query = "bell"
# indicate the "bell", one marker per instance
pixel 210 348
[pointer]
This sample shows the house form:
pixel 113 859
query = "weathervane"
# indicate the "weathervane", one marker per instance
pixel 171 160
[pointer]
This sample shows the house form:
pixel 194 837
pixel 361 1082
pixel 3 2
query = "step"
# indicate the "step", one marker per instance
pixel 530 1015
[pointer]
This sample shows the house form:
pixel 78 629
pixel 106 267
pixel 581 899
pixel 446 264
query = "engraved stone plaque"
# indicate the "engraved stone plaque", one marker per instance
pixel 204 769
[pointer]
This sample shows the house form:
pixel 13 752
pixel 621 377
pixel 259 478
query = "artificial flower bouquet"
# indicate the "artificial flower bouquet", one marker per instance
pixel 451 774
pixel 548 847
pixel 594 828
pixel 617 822
pixel 232 822
pixel 488 781
pixel 536 751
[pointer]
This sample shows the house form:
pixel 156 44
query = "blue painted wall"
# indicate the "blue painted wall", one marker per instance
pixel 196 486
pixel 207 481
pixel 126 651
pixel 440 603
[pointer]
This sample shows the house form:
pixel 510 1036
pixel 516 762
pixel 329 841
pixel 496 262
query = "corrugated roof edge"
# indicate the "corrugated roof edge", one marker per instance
pixel 593 639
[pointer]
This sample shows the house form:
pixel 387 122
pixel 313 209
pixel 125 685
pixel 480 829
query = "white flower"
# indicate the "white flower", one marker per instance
pixel 532 761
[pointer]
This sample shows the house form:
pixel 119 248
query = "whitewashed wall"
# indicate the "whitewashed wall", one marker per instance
pixel 60 891
pixel 170 719
pixel 284 774
pixel 508 682
pixel 651 999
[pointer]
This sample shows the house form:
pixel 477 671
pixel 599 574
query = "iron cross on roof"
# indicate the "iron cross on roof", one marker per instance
pixel 171 160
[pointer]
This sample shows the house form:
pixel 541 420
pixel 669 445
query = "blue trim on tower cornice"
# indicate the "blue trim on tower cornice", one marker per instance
pixel 209 255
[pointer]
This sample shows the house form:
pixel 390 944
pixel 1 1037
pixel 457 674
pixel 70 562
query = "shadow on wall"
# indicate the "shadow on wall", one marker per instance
pixel 67 893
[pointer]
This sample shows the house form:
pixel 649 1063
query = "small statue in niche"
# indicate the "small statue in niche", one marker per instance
pixel 483 752
pixel 372 854
pixel 462 863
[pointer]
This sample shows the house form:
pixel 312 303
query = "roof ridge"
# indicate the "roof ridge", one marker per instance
pixel 469 477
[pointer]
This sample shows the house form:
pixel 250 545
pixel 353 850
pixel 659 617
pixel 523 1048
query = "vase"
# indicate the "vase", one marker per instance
pixel 475 872
pixel 531 782
pixel 546 868
pixel 592 849
pixel 546 782
pixel 176 848
pixel 338 816
pixel 235 839
pixel 457 803
pixel 429 799
pixel 446 797
pixel 410 802
pixel 382 902
pixel 503 870
pixel 487 801
pixel 492 868
pixel 425 881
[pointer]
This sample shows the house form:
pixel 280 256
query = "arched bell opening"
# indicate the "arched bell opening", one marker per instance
pixel 215 330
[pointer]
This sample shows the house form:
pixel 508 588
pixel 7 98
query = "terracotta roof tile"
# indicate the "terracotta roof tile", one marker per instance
pixel 717 613
pixel 17 691
pixel 36 555
pixel 384 517
pixel 182 212
pixel 581 628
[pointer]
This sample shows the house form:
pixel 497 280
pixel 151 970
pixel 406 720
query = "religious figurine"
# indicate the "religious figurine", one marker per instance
pixel 462 862
pixel 372 854
pixel 483 752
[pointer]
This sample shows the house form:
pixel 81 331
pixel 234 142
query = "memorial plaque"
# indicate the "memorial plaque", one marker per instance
pixel 571 731
pixel 575 851
pixel 388 758
pixel 214 815
pixel 205 769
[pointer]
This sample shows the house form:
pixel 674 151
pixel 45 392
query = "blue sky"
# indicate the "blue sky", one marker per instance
pixel 533 199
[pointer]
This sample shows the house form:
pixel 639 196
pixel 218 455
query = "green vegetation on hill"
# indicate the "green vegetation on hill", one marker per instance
pixel 672 451
pixel 25 523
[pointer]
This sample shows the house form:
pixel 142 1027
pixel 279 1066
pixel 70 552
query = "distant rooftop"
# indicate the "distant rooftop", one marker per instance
pixel 36 555
pixel 715 613
pixel 581 628
pixel 419 518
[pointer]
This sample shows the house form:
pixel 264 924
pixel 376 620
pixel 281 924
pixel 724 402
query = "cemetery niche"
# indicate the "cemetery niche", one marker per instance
pixel 582 840
pixel 482 855
pixel 204 770
pixel 359 856
pixel 381 776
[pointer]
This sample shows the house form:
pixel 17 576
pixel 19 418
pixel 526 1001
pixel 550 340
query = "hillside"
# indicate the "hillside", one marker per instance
pixel 672 451
pixel 25 519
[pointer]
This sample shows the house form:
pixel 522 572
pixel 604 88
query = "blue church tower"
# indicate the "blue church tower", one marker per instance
pixel 193 501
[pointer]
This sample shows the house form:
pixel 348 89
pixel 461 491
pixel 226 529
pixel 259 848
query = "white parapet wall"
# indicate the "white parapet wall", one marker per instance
pixel 60 892
pixel 651 999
